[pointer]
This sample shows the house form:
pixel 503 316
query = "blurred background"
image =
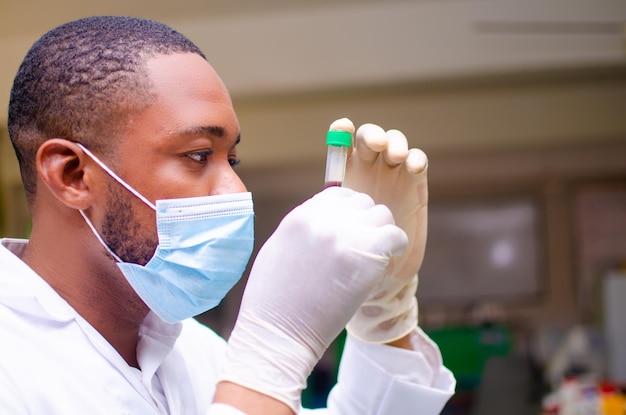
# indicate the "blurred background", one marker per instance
pixel 521 107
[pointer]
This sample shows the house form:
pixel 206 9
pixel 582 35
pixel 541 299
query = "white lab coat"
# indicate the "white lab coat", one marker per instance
pixel 53 362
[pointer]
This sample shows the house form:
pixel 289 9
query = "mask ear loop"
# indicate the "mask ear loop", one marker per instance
pixel 95 232
pixel 116 177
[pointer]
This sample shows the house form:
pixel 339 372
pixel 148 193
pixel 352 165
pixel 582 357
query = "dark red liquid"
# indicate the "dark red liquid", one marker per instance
pixel 330 184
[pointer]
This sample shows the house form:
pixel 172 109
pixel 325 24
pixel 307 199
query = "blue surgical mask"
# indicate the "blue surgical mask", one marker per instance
pixel 204 246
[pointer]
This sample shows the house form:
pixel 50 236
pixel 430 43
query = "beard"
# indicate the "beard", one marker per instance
pixel 121 229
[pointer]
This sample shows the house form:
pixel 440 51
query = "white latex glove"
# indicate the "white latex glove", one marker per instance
pixel 382 166
pixel 307 281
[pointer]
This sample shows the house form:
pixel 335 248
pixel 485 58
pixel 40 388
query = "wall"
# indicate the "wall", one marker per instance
pixel 552 108
pixel 538 135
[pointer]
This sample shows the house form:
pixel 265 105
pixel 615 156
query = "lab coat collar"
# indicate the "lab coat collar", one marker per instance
pixel 156 340
pixel 22 290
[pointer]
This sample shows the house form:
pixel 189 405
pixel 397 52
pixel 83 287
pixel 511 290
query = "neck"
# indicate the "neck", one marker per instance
pixel 92 284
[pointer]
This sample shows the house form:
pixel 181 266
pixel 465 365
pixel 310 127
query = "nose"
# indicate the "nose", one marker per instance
pixel 228 181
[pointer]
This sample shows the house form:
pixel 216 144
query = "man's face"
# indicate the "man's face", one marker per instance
pixel 182 145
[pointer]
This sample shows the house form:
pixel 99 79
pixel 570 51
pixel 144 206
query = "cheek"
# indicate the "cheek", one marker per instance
pixel 161 179
pixel 129 229
pixel 146 218
pixel 214 178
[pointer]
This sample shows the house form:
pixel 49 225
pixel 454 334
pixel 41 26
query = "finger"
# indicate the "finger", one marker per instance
pixel 371 140
pixel 386 241
pixel 397 148
pixel 374 216
pixel 416 161
pixel 342 124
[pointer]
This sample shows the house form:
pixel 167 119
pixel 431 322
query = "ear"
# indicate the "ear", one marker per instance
pixel 61 165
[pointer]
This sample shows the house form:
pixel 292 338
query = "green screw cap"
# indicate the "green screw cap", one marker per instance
pixel 338 138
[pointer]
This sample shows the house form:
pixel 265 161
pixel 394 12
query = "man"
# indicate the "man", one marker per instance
pixel 126 139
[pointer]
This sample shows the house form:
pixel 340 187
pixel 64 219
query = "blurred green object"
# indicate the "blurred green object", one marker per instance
pixel 466 349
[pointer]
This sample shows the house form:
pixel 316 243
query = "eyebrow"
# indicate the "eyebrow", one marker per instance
pixel 208 130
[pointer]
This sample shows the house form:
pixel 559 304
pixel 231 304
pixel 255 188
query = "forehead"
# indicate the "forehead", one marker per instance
pixel 187 75
pixel 188 94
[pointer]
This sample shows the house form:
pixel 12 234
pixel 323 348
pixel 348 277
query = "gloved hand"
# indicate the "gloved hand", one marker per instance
pixel 307 281
pixel 382 166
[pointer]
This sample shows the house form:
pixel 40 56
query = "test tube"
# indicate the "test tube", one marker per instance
pixel 338 143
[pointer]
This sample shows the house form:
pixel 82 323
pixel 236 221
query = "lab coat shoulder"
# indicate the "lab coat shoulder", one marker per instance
pixel 198 338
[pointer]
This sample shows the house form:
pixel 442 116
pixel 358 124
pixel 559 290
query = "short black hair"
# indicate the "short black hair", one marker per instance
pixel 82 80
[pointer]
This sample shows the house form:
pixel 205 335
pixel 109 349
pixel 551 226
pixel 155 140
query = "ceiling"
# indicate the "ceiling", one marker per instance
pixel 17 17
pixel 271 46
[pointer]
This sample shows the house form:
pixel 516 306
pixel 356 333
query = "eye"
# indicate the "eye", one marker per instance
pixel 199 156
pixel 233 162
